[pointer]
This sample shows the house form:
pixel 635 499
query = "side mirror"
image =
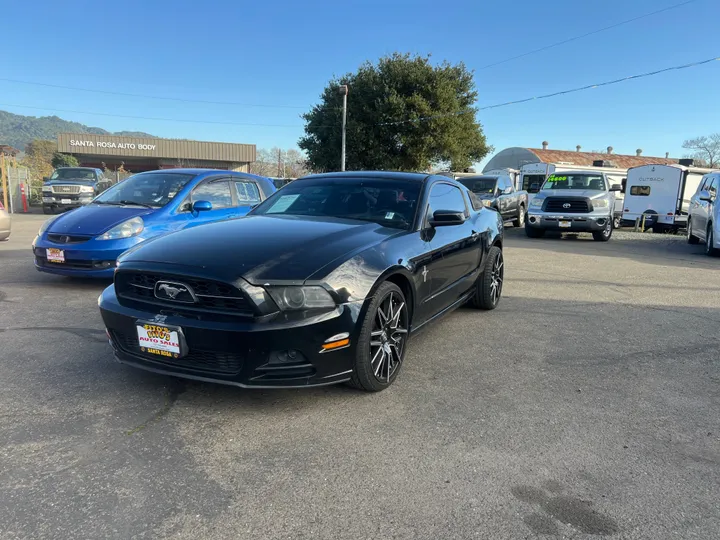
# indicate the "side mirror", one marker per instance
pixel 498 192
pixel 616 187
pixel 443 218
pixel 201 206
pixel 534 188
pixel 705 196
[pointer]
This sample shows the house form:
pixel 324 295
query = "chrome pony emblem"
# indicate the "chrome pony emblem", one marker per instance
pixel 177 292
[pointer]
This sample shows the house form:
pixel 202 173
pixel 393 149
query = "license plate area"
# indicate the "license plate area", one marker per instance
pixel 161 340
pixel 66 201
pixel 54 255
pixel 564 224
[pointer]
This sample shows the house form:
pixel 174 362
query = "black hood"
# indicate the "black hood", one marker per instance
pixel 262 248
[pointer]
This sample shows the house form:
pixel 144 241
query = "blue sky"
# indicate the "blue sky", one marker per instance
pixel 281 54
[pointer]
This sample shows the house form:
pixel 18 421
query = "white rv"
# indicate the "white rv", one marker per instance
pixel 537 173
pixel 661 193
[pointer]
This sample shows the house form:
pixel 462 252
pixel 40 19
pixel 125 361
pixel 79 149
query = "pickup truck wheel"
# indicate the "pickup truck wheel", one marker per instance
pixel 488 288
pixel 691 238
pixel 710 250
pixel 47 210
pixel 605 234
pixel 519 221
pixel 532 232
pixel 616 222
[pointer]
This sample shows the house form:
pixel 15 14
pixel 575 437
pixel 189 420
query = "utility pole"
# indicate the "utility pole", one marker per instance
pixel 3 173
pixel 344 93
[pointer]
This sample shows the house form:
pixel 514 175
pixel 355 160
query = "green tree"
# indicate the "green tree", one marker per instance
pixel 38 158
pixel 403 114
pixel 64 160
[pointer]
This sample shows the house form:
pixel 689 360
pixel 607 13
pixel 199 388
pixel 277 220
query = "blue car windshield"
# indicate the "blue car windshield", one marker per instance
pixel 145 189
pixel 391 203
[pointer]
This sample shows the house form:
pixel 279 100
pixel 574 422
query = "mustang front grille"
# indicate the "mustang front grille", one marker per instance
pixel 211 295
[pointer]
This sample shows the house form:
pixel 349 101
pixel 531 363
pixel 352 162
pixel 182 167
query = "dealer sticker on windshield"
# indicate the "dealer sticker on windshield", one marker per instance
pixel 159 340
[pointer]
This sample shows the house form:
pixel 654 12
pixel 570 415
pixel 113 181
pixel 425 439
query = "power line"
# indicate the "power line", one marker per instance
pixel 166 98
pixel 419 119
pixel 579 89
pixel 557 44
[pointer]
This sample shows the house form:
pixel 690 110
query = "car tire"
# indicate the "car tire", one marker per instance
pixel 519 221
pixel 488 288
pixel 48 210
pixel 532 232
pixel 616 222
pixel 710 250
pixel 605 234
pixel 382 339
pixel 691 238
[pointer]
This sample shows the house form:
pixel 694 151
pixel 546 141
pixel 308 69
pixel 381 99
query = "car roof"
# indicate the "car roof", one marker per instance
pixel 87 168
pixel 206 172
pixel 380 175
pixel 579 171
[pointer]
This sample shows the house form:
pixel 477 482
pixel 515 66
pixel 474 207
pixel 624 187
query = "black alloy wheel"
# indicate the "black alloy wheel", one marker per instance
pixel 382 342
pixel 605 234
pixel 709 240
pixel 691 238
pixel 488 289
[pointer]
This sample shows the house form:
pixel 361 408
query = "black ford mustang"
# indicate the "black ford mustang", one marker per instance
pixel 321 283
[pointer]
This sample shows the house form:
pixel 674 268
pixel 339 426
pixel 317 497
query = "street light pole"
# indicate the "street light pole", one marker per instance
pixel 344 92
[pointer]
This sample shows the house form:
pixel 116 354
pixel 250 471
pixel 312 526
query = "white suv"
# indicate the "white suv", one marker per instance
pixel 704 219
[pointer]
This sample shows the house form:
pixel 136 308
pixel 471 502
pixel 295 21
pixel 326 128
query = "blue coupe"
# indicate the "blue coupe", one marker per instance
pixel 87 241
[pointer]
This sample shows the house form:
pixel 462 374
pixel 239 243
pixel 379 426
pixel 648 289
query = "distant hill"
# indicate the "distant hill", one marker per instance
pixel 18 130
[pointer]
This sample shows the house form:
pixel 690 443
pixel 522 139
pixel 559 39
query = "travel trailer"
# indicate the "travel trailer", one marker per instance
pixel 661 194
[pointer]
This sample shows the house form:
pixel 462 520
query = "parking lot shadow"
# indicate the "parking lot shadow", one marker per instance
pixel 667 250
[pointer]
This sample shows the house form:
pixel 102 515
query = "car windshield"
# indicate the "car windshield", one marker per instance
pixel 391 203
pixel 146 189
pixel 575 181
pixel 73 174
pixel 479 185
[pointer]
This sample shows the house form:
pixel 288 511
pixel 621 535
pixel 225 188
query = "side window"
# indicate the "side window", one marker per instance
pixel 507 185
pixel 446 197
pixel 713 187
pixel 703 183
pixel 247 193
pixel 217 192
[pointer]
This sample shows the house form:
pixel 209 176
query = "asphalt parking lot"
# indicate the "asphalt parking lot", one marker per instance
pixel 585 405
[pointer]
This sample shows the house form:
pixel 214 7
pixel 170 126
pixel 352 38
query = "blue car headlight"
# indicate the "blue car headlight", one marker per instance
pixel 127 229
pixel 46 224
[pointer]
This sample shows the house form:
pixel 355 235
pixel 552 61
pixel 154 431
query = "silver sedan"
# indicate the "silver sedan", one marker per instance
pixel 4 223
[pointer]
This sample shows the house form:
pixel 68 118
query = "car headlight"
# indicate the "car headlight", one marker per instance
pixel 127 229
pixel 600 203
pixel 300 298
pixel 47 190
pixel 487 202
pixel 536 202
pixel 46 224
pixel 87 189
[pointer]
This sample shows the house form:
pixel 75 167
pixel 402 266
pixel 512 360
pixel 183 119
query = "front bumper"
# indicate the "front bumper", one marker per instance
pixel 242 352
pixel 577 222
pixel 65 203
pixel 91 259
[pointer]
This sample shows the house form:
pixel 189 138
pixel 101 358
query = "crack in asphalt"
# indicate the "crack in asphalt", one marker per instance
pixel 85 333
pixel 172 393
